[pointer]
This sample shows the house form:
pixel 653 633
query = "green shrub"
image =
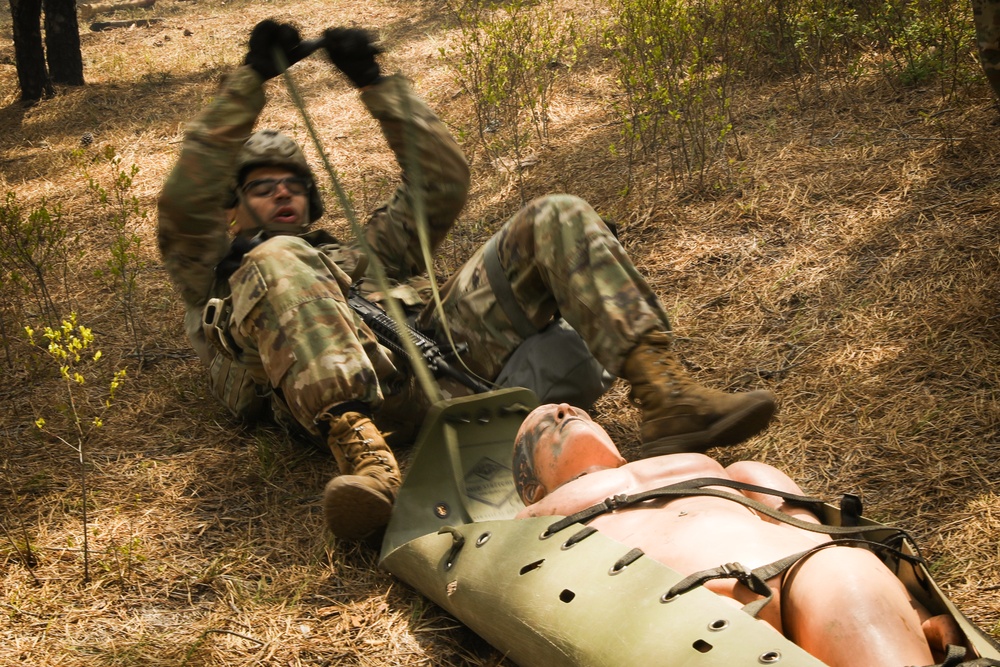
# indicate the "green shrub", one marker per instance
pixel 123 213
pixel 35 249
pixel 676 90
pixel 508 60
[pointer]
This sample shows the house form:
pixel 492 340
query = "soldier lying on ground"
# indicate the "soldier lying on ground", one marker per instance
pixel 839 603
pixel 235 218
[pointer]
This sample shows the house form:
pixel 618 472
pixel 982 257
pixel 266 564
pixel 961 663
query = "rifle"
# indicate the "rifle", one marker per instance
pixel 389 334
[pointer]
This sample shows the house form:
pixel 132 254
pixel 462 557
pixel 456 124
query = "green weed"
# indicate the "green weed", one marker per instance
pixel 69 348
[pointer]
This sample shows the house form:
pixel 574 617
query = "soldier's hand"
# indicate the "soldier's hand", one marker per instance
pixel 267 38
pixel 353 52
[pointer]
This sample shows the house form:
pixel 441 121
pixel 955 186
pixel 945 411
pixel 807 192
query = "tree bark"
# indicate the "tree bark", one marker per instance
pixel 29 55
pixel 62 42
pixel 987 18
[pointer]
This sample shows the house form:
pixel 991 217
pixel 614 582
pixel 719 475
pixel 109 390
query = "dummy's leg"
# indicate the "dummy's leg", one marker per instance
pixel 560 256
pixel 289 309
pixel 844 606
pixel 939 631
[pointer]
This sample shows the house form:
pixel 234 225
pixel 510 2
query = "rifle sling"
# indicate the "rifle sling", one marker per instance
pixel 503 292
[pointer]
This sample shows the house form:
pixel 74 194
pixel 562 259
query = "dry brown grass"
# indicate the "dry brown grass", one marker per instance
pixel 852 265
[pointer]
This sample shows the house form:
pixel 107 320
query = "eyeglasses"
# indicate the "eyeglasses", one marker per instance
pixel 265 187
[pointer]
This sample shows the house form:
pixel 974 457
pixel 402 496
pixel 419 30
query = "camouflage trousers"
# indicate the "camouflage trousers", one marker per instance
pixel 298 334
pixel 559 257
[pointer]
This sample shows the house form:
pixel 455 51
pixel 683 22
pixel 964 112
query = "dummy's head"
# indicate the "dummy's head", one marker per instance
pixel 274 185
pixel 555 444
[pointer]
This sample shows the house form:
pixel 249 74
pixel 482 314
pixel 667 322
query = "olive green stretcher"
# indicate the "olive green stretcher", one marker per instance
pixel 551 601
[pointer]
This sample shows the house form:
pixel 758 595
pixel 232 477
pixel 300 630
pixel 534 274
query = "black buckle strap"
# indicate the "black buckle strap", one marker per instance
pixel 578 537
pixel 955 657
pixel 752 579
pixel 696 487
pixel 617 501
pixel 632 556
pixel 756 579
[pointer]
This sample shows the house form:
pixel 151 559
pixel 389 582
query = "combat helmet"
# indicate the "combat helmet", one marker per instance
pixel 269 147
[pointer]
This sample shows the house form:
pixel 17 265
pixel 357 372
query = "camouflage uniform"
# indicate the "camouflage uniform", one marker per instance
pixel 296 343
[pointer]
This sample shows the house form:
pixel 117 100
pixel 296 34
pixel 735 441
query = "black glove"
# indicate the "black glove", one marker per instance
pixel 352 52
pixel 266 37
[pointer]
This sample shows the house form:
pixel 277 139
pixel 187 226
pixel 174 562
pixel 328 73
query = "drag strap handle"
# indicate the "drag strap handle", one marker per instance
pixel 306 48
pixel 300 51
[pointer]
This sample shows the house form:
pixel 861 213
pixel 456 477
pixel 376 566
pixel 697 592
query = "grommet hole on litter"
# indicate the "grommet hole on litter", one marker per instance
pixel 770 657
pixel 532 566
pixel 720 624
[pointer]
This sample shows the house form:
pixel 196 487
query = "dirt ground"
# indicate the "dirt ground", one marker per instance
pixel 848 260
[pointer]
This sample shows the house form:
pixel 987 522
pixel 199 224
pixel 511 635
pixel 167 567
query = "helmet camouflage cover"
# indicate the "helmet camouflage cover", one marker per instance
pixel 271 148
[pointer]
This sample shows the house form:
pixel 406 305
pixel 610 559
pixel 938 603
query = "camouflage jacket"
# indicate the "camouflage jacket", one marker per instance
pixel 193 232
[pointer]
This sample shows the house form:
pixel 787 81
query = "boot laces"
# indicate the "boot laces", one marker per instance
pixel 358 449
pixel 668 370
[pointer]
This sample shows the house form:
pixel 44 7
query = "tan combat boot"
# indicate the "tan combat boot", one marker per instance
pixel 358 502
pixel 679 415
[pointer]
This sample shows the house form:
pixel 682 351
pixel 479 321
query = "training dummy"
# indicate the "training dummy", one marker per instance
pixel 839 603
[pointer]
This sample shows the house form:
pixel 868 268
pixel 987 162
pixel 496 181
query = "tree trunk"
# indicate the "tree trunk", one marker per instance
pixel 62 42
pixel 29 56
pixel 987 18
